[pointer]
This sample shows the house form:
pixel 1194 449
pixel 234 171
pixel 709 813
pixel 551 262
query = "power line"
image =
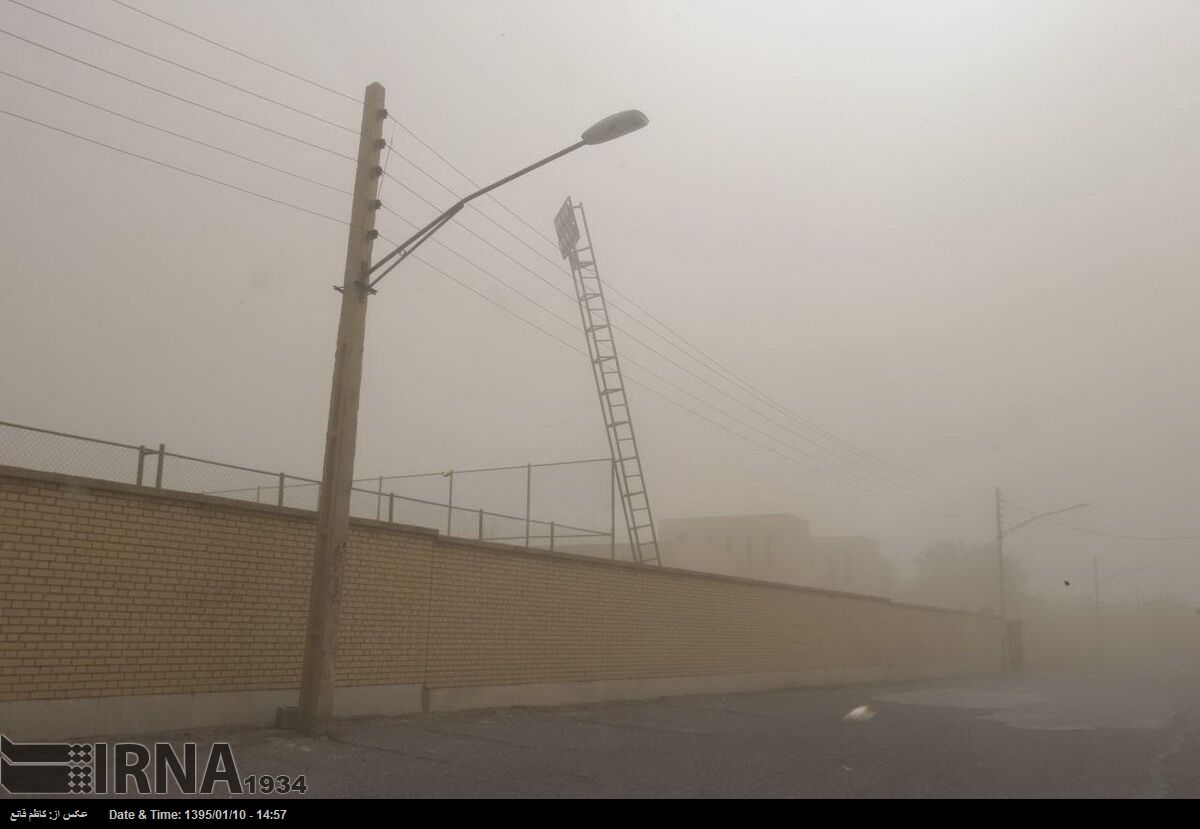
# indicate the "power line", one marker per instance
pixel 659 377
pixel 868 470
pixel 177 169
pixel 762 396
pixel 643 385
pixel 184 67
pixel 872 473
pixel 1123 536
pixel 714 366
pixel 413 134
pixel 726 375
pixel 386 160
pixel 177 135
pixel 474 183
pixel 485 271
pixel 178 97
pixel 231 50
pixel 630 360
pixel 457 281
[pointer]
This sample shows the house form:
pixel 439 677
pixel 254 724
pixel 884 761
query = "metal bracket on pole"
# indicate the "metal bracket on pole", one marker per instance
pixel 361 283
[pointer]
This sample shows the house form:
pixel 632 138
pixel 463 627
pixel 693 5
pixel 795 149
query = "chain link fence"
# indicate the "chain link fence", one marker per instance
pixel 574 501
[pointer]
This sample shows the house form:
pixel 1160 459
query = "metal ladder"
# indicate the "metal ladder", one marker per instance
pixel 610 385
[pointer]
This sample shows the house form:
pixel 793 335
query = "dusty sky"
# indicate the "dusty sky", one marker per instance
pixel 960 236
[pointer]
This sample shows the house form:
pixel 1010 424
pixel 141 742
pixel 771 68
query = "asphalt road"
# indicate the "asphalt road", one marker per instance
pixel 1030 735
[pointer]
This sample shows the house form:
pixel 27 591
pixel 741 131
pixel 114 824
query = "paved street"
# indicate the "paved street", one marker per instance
pixel 1035 735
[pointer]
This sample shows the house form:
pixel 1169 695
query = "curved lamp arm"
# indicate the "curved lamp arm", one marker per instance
pixel 606 129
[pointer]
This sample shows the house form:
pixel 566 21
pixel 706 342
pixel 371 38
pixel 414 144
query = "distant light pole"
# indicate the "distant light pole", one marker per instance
pixel 1096 582
pixel 1001 532
pixel 333 510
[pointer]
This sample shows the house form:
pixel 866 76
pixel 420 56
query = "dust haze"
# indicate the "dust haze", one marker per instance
pixel 940 249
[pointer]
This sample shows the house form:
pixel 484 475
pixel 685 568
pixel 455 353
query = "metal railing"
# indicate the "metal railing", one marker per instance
pixel 46 450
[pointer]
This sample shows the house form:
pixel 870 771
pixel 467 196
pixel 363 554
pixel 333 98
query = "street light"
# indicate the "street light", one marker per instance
pixel 606 129
pixel 333 510
pixel 1001 532
pixel 1096 582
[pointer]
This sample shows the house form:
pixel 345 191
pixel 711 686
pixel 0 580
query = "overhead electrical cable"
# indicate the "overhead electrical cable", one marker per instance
pixel 185 67
pixel 175 167
pixel 1124 536
pixel 442 184
pixel 651 372
pixel 647 387
pixel 1105 534
pixel 887 469
pixel 711 365
pixel 178 135
pixel 459 282
pixel 782 425
pixel 240 54
pixel 179 97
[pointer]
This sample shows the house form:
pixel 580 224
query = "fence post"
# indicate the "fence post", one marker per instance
pixel 612 512
pixel 379 500
pixel 450 505
pixel 528 492
pixel 552 536
pixel 162 454
pixel 258 495
pixel 141 463
pixel 481 525
pixel 282 479
pixel 391 506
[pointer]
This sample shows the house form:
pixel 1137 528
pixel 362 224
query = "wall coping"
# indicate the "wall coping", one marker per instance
pixel 189 497
pixel 439 540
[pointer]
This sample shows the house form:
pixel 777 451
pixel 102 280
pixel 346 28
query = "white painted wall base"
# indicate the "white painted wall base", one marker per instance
pixel 130 716
pixel 583 693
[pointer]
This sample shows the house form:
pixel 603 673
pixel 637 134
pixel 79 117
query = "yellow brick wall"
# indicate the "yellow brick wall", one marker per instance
pixel 109 590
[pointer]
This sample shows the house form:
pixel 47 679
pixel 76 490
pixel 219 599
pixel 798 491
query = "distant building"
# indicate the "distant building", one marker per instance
pixel 753 546
pixel 851 563
pixel 775 548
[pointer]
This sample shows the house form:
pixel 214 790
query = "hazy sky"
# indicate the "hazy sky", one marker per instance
pixel 959 236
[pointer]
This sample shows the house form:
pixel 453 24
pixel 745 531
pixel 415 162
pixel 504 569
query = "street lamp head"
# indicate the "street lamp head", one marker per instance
pixel 614 126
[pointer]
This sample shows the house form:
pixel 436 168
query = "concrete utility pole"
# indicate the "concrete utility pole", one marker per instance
pixel 337 478
pixel 1096 604
pixel 1000 553
pixel 1000 533
pixel 333 509
pixel 1096 583
pixel 1000 601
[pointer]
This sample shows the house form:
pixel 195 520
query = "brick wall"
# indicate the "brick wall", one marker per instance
pixel 109 590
